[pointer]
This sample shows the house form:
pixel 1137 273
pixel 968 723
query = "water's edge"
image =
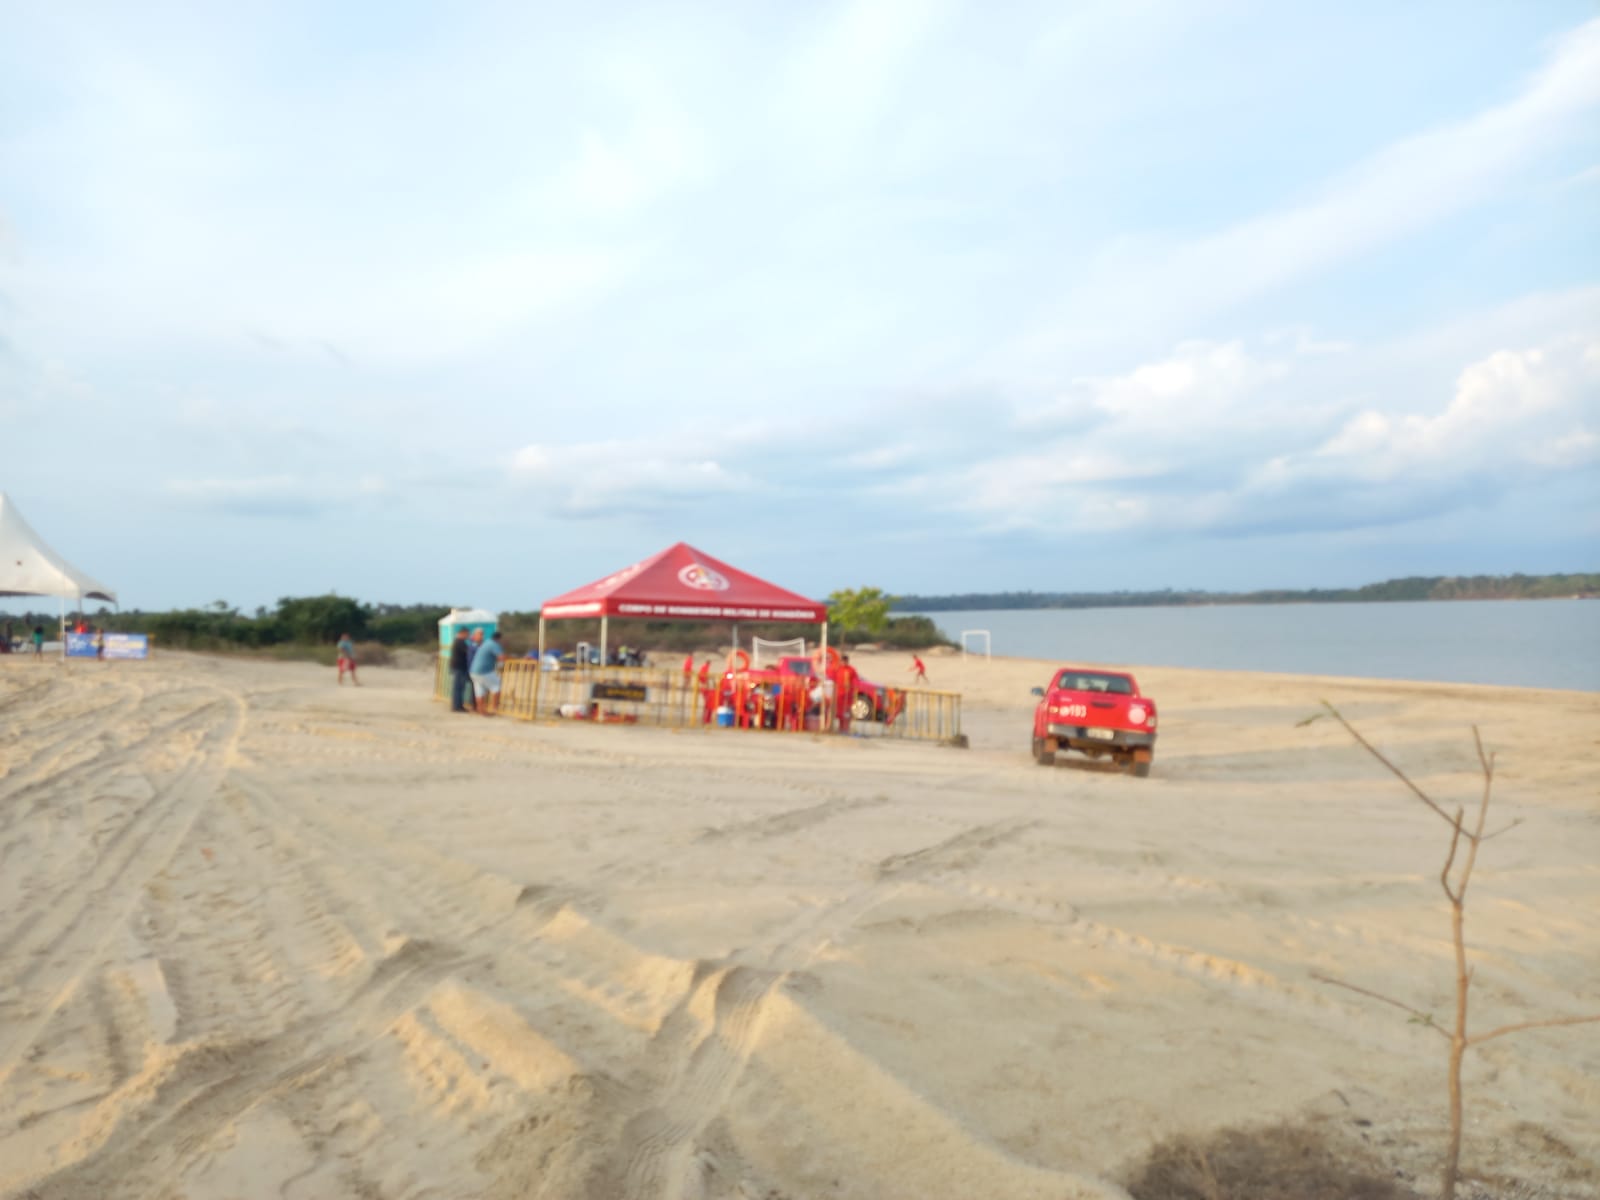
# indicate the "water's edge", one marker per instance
pixel 1508 643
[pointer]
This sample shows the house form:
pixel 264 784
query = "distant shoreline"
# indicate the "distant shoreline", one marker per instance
pixel 1241 603
pixel 1412 589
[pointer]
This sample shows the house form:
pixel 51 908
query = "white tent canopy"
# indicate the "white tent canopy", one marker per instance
pixel 28 567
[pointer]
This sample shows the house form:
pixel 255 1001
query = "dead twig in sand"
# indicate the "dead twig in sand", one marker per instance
pixel 1455 890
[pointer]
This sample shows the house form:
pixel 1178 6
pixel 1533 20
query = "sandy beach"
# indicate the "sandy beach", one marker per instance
pixel 261 936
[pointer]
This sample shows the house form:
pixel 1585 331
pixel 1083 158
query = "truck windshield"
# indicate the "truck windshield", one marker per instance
pixel 1089 681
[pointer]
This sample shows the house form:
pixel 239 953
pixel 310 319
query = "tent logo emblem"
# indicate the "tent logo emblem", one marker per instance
pixel 702 578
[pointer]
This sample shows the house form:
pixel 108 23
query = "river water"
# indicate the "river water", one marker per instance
pixel 1523 643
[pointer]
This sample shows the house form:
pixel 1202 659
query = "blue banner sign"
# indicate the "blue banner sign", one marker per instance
pixel 127 645
pixel 118 645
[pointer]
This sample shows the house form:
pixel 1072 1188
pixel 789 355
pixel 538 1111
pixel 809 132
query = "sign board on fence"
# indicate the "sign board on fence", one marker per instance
pixel 636 693
pixel 127 645
pixel 118 645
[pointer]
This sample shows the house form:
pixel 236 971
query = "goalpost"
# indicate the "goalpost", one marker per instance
pixel 975 633
pixel 763 651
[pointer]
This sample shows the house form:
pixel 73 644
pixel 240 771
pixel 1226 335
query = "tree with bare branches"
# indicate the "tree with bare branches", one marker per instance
pixel 1454 879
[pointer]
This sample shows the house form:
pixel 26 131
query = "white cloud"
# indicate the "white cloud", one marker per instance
pixel 1199 399
pixel 1406 187
pixel 1216 439
pixel 616 478
pixel 1511 410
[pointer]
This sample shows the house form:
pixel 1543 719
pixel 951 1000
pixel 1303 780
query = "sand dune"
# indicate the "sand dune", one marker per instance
pixel 261 936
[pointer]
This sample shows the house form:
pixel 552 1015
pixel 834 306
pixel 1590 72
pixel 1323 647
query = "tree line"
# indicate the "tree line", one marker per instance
pixel 1414 587
pixel 297 625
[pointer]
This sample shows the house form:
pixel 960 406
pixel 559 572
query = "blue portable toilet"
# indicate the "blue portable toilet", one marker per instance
pixel 468 619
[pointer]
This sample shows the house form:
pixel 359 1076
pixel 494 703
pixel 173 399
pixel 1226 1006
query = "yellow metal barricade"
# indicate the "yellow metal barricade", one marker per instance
pixel 916 714
pixel 616 695
pixel 519 688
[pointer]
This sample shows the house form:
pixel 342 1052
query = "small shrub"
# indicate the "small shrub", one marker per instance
pixel 373 654
pixel 1275 1162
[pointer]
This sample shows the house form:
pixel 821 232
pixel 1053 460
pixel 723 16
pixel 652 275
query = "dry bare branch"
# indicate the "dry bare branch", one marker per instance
pixel 1423 1018
pixel 1549 1023
pixel 1458 1037
pixel 1449 859
pixel 1394 770
pixel 1503 829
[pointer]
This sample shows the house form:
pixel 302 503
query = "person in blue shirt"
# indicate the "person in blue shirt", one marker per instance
pixel 347 659
pixel 486 674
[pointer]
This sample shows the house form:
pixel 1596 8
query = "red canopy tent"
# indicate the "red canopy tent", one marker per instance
pixel 682 584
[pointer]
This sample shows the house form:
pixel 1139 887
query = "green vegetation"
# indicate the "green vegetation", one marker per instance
pixel 306 627
pixel 299 627
pixel 1416 587
pixel 859 611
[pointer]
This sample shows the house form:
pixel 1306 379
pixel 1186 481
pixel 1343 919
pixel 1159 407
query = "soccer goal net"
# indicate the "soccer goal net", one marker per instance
pixel 969 642
pixel 763 652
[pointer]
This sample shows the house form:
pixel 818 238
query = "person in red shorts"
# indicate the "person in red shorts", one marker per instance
pixel 347 659
pixel 844 678
pixel 708 695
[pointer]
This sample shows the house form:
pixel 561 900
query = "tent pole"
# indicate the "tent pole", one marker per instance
pixel 603 619
pixel 822 675
pixel 538 666
pixel 61 607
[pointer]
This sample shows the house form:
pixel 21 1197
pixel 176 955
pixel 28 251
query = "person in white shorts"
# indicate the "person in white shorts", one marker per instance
pixel 486 674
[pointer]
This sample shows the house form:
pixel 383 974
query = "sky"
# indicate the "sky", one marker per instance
pixel 474 303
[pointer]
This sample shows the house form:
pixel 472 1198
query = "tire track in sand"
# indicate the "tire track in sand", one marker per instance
pixel 59 943
pixel 703 1046
pixel 211 1086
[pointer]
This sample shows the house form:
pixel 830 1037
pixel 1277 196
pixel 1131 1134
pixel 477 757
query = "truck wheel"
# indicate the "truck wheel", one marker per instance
pixel 1045 758
pixel 861 710
pixel 1139 763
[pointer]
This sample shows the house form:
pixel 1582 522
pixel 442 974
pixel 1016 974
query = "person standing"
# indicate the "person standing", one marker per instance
pixel 460 668
pixel 99 643
pixel 708 694
pixel 486 674
pixel 38 641
pixel 922 671
pixel 844 691
pixel 347 659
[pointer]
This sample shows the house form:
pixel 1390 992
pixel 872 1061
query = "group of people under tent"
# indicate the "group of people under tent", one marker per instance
pixel 554 658
pixel 11 644
pixel 791 702
pixel 815 702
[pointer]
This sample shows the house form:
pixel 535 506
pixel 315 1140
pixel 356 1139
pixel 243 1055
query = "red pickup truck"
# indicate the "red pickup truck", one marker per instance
pixel 1099 713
